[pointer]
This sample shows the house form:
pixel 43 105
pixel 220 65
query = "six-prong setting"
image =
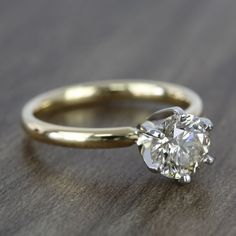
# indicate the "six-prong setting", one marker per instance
pixel 175 143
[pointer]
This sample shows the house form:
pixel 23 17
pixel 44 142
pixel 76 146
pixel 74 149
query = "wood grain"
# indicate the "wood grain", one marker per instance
pixel 49 190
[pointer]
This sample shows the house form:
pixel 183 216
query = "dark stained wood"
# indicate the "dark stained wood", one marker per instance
pixel 49 190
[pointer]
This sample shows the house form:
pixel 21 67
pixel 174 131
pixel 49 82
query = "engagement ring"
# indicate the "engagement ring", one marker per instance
pixel 173 142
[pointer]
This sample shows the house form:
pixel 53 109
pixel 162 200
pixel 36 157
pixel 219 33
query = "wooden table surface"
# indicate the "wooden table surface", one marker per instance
pixel 49 190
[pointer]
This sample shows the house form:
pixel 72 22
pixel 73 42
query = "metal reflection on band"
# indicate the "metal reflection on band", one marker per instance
pixel 98 92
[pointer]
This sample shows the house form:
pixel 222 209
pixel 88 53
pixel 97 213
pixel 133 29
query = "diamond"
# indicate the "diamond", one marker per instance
pixel 180 146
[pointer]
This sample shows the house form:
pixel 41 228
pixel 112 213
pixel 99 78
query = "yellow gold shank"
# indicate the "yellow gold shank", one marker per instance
pixel 98 92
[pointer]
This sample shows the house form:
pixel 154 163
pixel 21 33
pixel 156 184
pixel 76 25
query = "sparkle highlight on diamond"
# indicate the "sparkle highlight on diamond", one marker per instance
pixel 176 145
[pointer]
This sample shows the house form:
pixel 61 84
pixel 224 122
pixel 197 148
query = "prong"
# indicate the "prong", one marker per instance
pixel 207 123
pixel 186 179
pixel 164 113
pixel 154 171
pixel 177 110
pixel 183 117
pixel 147 125
pixel 209 159
pixel 156 133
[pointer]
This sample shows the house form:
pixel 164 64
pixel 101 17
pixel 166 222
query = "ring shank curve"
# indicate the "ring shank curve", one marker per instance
pixel 97 92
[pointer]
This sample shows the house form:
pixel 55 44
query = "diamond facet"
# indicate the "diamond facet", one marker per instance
pixel 180 146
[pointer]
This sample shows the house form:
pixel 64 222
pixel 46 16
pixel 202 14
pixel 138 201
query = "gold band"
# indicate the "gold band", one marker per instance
pixel 98 92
